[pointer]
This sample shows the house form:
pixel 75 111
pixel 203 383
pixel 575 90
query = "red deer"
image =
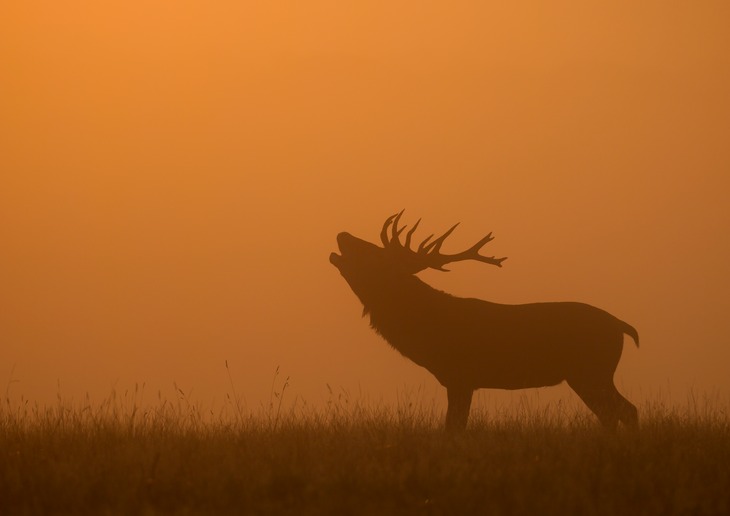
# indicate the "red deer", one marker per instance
pixel 467 343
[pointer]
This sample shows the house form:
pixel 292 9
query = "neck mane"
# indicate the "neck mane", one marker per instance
pixel 401 308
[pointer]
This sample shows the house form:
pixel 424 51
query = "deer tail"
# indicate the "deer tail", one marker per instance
pixel 630 331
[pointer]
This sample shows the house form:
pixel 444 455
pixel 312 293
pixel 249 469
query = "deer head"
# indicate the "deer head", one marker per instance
pixel 359 257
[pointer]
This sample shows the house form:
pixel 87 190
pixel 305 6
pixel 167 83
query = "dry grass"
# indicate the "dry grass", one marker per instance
pixel 346 458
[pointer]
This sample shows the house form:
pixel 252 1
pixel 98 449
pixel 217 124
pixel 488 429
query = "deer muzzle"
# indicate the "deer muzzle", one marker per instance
pixel 336 259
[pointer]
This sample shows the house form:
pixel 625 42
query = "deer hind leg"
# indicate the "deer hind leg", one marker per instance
pixel 628 414
pixel 457 413
pixel 602 401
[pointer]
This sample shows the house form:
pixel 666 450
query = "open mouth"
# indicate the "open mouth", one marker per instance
pixel 335 259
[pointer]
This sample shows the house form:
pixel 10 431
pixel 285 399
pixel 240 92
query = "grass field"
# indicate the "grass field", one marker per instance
pixel 172 458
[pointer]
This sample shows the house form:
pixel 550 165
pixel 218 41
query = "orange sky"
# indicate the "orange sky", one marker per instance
pixel 174 175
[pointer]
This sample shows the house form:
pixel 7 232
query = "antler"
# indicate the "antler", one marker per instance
pixel 429 254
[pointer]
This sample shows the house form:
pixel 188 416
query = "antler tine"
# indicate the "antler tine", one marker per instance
pixel 471 254
pixel 422 246
pixel 395 231
pixel 384 231
pixel 491 260
pixel 435 246
pixel 407 245
pixel 482 242
pixel 393 240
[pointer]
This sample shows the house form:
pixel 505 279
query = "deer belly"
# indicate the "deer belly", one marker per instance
pixel 502 374
pixel 523 381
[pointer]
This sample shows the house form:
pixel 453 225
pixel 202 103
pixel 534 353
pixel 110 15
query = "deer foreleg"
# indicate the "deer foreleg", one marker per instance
pixel 457 413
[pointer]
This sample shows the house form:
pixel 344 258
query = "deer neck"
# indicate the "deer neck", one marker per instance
pixel 400 311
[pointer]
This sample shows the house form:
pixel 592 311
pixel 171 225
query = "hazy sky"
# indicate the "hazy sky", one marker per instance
pixel 174 175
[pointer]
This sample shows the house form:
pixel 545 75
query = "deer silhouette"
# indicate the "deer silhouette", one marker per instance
pixel 469 343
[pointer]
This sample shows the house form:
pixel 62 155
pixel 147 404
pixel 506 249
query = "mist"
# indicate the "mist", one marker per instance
pixel 174 177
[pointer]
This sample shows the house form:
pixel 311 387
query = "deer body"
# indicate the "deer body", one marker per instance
pixel 469 343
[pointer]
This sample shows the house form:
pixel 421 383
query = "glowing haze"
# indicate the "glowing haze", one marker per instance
pixel 174 175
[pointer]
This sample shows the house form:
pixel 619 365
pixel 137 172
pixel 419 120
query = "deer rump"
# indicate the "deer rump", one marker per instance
pixel 469 343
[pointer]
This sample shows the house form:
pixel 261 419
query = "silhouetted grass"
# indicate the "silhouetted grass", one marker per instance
pixel 347 458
